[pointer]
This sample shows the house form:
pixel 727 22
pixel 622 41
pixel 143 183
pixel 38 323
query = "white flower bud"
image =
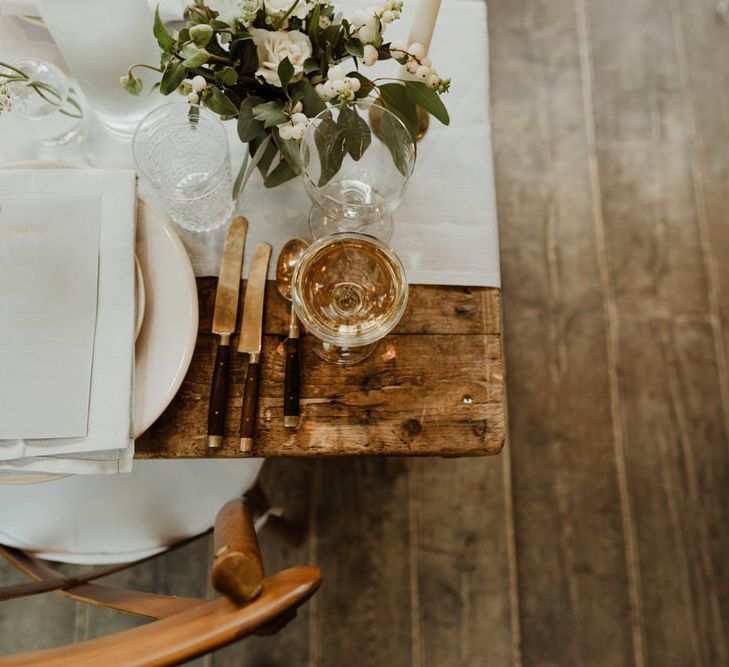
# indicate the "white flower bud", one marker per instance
pixel 370 55
pixel 417 50
pixel 366 35
pixel 372 22
pixel 335 73
pixel 285 131
pixel 193 98
pixel 321 91
pixel 297 132
pixel 198 83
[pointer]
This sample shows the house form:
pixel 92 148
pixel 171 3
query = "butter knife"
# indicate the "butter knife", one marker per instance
pixel 251 336
pixel 224 316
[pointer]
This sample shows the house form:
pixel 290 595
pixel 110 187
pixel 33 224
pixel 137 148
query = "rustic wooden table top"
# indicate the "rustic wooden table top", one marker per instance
pixel 434 387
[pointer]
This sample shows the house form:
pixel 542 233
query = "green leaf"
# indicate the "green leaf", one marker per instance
pixel 424 96
pixel 285 72
pixel 172 77
pixel 397 101
pixel 244 51
pixel 268 155
pixel 226 76
pixel 164 39
pixel 314 24
pixel 270 113
pixel 310 100
pixel 330 145
pixel 220 103
pixel 248 127
pixel 194 57
pixel 238 183
pixel 391 134
pixel 289 150
pixel 259 152
pixel 354 48
pixel 355 132
pixel 280 174
pixel 311 65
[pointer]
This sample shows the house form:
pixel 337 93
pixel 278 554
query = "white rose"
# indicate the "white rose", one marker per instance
pixel 274 46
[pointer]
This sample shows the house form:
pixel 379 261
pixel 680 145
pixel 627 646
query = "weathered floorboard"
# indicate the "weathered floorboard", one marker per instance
pixel 572 575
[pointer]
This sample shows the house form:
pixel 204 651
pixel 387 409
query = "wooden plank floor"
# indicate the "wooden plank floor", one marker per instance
pixel 600 536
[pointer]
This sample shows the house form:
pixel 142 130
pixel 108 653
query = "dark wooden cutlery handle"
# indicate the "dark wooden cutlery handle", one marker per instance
pixel 250 403
pixel 218 396
pixel 291 384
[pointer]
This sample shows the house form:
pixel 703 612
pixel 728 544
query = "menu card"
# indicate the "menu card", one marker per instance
pixel 49 262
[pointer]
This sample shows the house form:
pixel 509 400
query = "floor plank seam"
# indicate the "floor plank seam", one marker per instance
pixel 629 528
pixel 698 177
pixel 413 519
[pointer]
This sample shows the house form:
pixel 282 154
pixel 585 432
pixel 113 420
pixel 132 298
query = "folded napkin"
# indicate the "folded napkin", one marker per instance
pixel 108 445
pixel 170 10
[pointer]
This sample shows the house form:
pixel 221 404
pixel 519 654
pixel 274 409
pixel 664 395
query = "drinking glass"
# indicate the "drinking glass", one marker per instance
pixel 356 162
pixel 183 151
pixel 349 290
pixel 99 40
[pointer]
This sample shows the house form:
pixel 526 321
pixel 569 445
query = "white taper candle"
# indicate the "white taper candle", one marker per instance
pixel 423 25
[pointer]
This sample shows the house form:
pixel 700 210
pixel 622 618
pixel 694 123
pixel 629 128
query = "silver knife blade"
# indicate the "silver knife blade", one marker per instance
pixel 226 296
pixel 251 331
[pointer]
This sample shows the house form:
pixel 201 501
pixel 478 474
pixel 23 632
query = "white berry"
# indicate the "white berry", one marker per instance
pixel 370 55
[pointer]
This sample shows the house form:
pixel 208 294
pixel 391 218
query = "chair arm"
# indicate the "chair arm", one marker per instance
pixel 237 570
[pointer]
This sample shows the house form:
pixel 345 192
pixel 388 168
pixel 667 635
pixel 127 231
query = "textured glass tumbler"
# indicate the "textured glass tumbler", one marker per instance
pixel 183 151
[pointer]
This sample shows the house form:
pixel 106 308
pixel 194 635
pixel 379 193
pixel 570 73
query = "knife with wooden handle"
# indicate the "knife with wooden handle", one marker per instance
pixel 224 316
pixel 251 337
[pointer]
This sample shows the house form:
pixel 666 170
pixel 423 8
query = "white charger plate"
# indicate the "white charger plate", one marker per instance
pixel 168 333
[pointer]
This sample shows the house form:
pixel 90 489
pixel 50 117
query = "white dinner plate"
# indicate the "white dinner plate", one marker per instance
pixel 168 332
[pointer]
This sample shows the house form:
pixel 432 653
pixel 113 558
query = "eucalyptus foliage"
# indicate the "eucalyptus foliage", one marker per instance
pixel 216 61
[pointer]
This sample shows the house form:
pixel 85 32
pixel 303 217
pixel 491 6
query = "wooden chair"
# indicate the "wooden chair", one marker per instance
pixel 184 628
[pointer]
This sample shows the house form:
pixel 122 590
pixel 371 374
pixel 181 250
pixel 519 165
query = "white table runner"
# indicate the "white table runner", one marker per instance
pixel 445 230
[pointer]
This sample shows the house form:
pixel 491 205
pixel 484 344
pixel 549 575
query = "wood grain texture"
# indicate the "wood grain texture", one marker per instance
pixel 397 402
pixel 572 575
pixel 679 473
pixel 363 504
pixel 462 563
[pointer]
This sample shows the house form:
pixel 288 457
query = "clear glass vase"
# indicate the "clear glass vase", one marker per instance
pixel 356 163
pixel 45 100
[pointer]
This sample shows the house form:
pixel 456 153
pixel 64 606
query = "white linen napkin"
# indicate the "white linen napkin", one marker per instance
pixel 108 446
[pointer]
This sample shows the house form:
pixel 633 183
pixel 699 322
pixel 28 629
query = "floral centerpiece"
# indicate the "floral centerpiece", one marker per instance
pixel 274 64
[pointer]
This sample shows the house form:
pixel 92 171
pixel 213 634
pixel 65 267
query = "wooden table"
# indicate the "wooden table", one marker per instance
pixel 434 387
